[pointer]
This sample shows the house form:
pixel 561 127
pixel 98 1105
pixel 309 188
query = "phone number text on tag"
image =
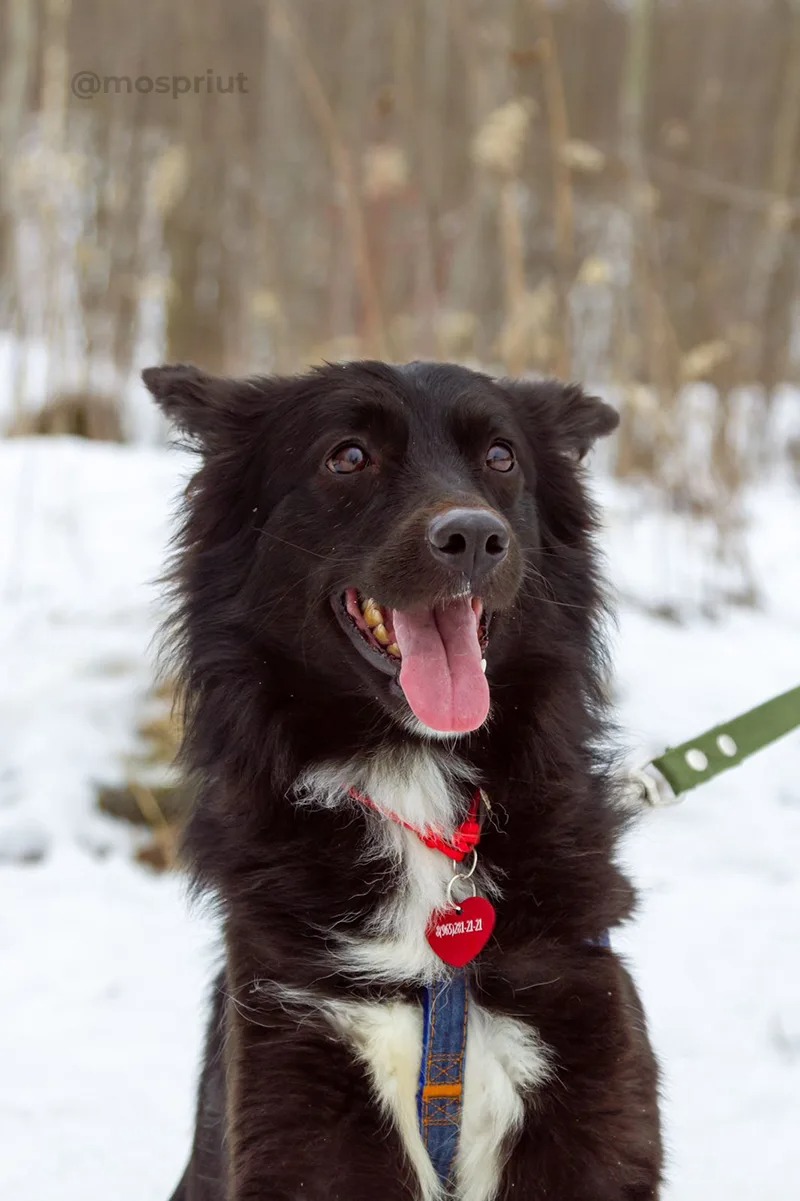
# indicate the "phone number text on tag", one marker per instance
pixel 448 929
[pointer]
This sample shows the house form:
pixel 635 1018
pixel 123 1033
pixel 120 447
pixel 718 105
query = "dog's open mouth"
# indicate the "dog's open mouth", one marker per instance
pixel 437 655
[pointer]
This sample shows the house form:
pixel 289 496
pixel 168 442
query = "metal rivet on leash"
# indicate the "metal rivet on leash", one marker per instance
pixel 727 745
pixel 696 759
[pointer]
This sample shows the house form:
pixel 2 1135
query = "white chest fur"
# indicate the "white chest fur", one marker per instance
pixel 505 1058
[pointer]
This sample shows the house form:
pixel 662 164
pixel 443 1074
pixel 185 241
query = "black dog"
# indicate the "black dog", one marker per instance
pixel 360 545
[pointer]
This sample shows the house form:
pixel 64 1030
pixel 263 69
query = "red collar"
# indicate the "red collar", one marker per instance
pixel 465 839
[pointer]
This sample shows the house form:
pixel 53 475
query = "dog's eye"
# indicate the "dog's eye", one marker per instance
pixel 347 459
pixel 500 457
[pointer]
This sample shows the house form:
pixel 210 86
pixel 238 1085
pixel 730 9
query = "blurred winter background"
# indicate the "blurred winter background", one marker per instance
pixel 601 190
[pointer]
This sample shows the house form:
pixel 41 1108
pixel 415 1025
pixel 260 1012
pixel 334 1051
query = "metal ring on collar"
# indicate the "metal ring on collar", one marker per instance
pixel 457 875
pixel 456 880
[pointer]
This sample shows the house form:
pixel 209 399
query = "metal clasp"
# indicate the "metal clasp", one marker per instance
pixel 462 877
pixel 646 786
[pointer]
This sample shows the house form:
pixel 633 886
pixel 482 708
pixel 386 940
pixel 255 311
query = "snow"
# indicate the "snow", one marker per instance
pixel 104 973
pixel 105 969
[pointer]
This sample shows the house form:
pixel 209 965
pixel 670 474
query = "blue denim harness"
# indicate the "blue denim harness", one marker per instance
pixel 445 1008
pixel 445 1011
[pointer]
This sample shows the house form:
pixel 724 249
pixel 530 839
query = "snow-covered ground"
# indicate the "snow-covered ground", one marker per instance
pixel 103 968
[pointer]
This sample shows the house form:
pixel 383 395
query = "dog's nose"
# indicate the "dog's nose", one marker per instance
pixel 472 541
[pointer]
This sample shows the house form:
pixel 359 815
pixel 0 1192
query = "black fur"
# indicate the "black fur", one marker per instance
pixel 273 685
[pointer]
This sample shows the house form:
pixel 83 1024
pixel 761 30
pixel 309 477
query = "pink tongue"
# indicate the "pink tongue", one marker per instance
pixel 441 673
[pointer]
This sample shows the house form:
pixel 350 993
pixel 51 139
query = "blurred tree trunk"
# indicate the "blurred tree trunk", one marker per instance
pixel 55 85
pixel 194 234
pixel 16 66
pixel 563 206
pixel 635 305
pixel 195 326
pixel 779 244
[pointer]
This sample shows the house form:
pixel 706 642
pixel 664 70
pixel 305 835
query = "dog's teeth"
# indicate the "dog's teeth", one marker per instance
pixel 394 649
pixel 483 666
pixel 380 632
pixel 372 615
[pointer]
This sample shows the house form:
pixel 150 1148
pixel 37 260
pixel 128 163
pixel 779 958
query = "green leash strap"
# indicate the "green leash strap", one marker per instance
pixel 727 745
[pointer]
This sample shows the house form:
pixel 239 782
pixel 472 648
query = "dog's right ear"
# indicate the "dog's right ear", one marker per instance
pixel 210 410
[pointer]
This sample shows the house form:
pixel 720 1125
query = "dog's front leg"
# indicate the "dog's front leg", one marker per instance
pixel 592 1133
pixel 302 1124
pixel 558 1158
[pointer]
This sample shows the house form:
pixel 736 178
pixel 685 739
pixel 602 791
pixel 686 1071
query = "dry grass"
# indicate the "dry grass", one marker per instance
pixel 78 414
pixel 151 796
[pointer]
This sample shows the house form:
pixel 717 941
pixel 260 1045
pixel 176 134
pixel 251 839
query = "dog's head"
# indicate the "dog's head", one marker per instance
pixel 384 531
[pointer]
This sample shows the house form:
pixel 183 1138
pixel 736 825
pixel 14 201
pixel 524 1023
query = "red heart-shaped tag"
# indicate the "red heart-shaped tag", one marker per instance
pixel 458 935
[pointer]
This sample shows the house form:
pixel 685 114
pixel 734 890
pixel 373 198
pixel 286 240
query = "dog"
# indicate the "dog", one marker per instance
pixel 388 621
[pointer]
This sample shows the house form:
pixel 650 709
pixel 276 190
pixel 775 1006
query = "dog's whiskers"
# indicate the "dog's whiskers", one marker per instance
pixel 306 549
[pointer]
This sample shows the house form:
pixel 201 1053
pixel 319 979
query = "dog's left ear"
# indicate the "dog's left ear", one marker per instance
pixel 573 417
pixel 209 409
